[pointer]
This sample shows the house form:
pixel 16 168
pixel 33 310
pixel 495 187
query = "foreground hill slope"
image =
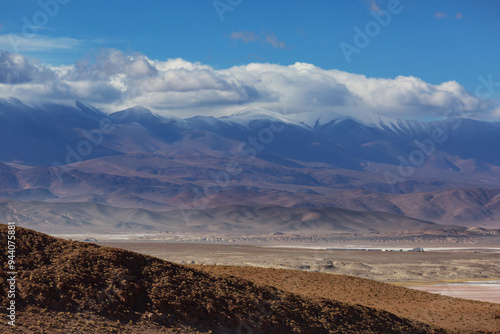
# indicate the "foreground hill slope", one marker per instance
pixel 66 286
pixel 455 314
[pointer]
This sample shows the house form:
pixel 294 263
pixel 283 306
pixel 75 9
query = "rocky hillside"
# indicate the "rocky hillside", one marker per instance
pixel 66 286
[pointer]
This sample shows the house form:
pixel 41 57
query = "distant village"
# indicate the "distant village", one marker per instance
pixel 417 249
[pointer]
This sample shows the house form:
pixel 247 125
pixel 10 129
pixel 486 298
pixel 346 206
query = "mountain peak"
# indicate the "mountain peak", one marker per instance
pixel 139 110
pixel 248 115
pixel 135 114
pixel 88 109
pixel 315 118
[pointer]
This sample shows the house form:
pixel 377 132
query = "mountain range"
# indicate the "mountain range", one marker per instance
pixel 72 155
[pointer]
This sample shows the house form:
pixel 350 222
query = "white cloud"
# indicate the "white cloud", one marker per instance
pixel 245 36
pixel 443 15
pixel 496 113
pixel 407 95
pixel 273 40
pixel 18 43
pixel 16 69
pixel 117 80
pixel 250 36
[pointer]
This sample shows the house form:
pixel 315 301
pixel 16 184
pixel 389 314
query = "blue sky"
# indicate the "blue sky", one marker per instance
pixel 433 40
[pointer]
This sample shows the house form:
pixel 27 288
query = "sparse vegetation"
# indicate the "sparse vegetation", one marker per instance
pixel 454 314
pixel 79 287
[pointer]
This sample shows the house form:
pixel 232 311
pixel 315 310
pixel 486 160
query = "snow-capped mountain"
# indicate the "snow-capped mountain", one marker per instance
pixel 40 133
pixel 446 171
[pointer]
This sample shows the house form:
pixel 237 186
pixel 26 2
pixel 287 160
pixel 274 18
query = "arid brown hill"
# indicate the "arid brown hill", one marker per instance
pixel 455 314
pixel 66 286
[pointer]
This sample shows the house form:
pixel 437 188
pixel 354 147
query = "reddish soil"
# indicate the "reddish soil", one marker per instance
pixel 464 316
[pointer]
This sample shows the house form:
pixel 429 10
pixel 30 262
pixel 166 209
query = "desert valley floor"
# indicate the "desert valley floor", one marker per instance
pixel 464 271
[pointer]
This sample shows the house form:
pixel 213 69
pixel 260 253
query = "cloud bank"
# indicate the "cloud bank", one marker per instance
pixel 116 80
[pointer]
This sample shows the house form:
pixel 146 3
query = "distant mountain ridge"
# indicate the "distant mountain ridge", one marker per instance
pixel 135 158
pixel 56 125
pixel 96 217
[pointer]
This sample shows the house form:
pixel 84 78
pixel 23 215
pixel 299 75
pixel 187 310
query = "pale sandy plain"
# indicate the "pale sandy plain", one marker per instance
pixel 464 271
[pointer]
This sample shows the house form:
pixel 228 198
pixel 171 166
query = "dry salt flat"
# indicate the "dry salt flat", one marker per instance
pixel 488 291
